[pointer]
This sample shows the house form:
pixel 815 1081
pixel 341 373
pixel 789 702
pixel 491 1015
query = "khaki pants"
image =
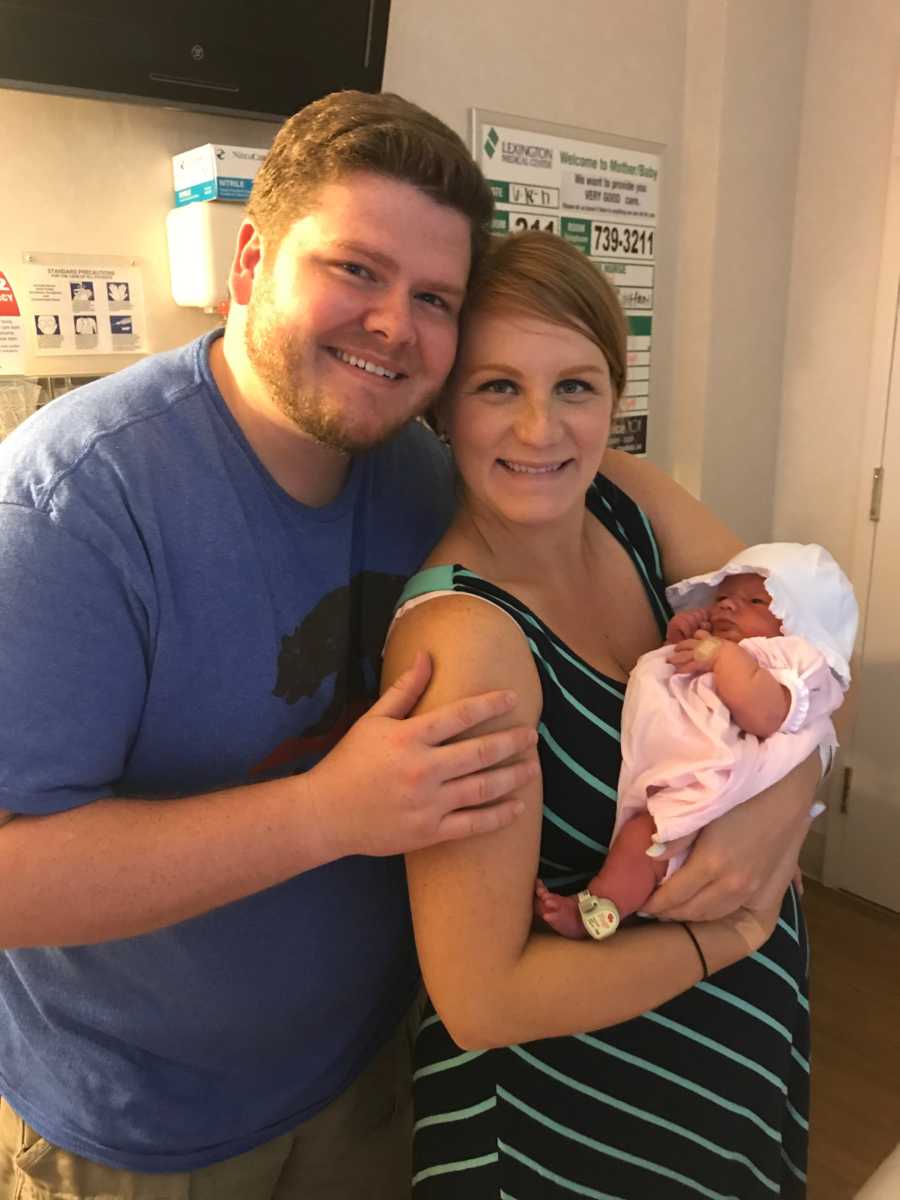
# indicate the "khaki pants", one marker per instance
pixel 358 1148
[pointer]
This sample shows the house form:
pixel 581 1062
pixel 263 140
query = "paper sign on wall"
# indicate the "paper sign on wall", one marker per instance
pixel 12 353
pixel 602 197
pixel 78 305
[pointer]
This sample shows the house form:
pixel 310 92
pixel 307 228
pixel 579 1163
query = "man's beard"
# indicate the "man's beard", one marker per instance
pixel 279 358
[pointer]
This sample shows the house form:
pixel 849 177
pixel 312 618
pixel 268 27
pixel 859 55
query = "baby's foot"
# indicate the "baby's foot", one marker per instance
pixel 559 912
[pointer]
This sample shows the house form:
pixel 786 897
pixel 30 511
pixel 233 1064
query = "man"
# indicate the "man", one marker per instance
pixel 207 943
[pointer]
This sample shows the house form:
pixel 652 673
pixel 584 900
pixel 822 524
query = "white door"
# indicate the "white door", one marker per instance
pixel 870 856
pixel 863 849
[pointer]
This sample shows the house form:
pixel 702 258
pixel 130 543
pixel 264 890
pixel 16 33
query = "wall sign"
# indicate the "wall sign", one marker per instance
pixel 12 354
pixel 599 192
pixel 81 304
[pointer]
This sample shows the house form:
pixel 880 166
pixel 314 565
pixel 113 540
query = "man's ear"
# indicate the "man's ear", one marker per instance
pixel 247 259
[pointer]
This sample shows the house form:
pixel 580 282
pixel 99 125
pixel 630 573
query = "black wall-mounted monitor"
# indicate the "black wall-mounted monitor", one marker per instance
pixel 258 58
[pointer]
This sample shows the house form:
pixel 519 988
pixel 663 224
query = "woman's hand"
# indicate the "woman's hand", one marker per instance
pixel 756 920
pixel 739 858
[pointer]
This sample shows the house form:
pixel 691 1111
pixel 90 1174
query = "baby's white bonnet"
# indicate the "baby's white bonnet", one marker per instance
pixel 811 595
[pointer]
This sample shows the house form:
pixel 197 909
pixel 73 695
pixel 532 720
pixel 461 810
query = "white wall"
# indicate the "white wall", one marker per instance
pixel 851 79
pixel 742 182
pixel 695 320
pixel 95 177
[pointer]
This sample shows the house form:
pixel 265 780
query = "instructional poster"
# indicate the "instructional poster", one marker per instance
pixel 603 198
pixel 78 305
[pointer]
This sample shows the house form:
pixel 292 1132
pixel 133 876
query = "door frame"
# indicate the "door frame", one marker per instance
pixel 884 376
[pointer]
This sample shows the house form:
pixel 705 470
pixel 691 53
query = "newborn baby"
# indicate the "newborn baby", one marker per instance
pixel 756 660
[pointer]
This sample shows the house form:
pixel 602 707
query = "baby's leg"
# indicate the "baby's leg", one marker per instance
pixel 628 878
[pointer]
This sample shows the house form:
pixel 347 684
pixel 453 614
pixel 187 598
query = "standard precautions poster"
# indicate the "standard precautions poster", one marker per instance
pixel 81 307
pixel 603 199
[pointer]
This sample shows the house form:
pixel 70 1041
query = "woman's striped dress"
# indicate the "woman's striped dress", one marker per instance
pixel 706 1096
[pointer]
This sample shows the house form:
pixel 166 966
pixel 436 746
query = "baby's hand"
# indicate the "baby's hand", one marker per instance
pixel 685 624
pixel 694 655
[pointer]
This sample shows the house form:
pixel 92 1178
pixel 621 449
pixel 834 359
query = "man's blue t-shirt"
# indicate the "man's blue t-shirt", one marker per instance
pixel 171 623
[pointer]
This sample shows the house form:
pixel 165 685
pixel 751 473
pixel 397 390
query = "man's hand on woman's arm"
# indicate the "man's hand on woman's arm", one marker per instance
pixel 407 782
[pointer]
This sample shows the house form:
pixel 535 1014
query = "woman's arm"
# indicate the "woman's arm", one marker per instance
pixel 494 980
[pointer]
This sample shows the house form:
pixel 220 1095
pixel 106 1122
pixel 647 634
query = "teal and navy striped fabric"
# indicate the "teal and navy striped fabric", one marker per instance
pixel 707 1096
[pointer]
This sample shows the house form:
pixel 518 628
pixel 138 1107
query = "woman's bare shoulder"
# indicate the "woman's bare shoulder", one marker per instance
pixel 474 646
pixel 691 537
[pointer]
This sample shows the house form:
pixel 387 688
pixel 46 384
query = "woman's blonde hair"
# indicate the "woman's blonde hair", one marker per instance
pixel 538 274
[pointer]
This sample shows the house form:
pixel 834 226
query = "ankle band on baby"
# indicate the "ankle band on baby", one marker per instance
pixel 600 917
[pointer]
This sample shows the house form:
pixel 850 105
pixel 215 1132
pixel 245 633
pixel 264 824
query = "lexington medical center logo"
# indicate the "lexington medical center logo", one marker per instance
pixel 520 154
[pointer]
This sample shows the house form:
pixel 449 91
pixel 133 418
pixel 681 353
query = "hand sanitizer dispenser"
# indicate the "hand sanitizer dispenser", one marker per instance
pixel 202 238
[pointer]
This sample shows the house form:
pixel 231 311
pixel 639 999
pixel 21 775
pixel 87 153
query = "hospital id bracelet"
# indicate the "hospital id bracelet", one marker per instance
pixel 707 648
pixel 599 917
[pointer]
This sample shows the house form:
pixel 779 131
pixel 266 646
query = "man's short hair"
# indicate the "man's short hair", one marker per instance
pixel 357 131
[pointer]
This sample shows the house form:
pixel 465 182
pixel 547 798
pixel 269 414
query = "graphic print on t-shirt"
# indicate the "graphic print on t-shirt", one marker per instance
pixel 341 636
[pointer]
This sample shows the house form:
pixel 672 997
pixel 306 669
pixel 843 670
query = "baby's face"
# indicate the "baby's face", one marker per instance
pixel 741 609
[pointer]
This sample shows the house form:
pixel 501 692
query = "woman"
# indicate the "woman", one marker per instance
pixel 537 1075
